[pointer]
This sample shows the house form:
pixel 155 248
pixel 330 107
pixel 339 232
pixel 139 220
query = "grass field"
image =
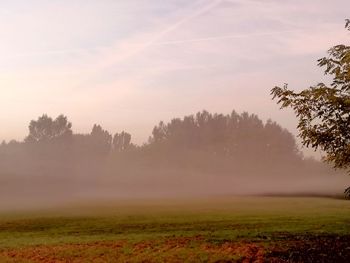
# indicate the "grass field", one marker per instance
pixel 225 229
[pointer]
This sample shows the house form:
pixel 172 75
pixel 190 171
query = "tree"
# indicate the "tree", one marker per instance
pixel 121 141
pixel 234 137
pixel 46 129
pixel 101 139
pixel 323 111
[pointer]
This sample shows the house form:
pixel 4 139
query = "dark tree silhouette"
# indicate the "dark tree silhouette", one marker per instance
pixel 240 137
pixel 46 129
pixel 101 140
pixel 121 141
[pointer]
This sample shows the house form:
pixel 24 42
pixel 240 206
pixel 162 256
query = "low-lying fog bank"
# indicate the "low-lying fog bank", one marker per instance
pixel 41 192
pixel 200 155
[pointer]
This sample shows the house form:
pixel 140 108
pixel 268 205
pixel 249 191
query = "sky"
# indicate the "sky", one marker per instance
pixel 127 64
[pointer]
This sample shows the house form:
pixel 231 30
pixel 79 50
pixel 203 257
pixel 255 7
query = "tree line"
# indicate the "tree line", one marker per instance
pixel 203 142
pixel 218 134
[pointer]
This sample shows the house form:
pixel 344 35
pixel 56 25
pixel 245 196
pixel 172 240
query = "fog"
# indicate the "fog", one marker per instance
pixel 129 77
pixel 200 155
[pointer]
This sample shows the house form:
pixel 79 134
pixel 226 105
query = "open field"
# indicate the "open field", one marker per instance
pixel 225 229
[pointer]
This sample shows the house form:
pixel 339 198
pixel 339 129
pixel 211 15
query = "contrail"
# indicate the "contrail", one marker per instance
pixel 123 55
pixel 52 52
pixel 169 29
pixel 173 27
pixel 172 42
pixel 184 41
pixel 139 47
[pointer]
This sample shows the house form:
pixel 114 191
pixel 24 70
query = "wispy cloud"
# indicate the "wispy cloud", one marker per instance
pixel 214 38
pixel 128 49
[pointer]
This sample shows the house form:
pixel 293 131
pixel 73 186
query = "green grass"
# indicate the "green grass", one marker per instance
pixel 217 220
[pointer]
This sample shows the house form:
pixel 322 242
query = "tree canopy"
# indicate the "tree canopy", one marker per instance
pixel 323 110
pixel 239 136
pixel 101 139
pixel 46 129
pixel 121 141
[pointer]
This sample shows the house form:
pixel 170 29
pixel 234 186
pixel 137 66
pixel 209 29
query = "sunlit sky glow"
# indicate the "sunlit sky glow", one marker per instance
pixel 127 64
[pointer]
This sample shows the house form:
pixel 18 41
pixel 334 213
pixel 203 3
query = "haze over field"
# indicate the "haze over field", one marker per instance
pixel 138 98
pixel 200 155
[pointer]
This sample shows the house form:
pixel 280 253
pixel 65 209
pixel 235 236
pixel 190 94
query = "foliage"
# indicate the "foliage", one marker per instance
pixel 121 141
pixel 323 111
pixel 101 139
pixel 234 135
pixel 46 129
pixel 206 144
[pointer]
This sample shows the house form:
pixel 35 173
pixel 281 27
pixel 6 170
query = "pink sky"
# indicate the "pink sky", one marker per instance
pixel 129 64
